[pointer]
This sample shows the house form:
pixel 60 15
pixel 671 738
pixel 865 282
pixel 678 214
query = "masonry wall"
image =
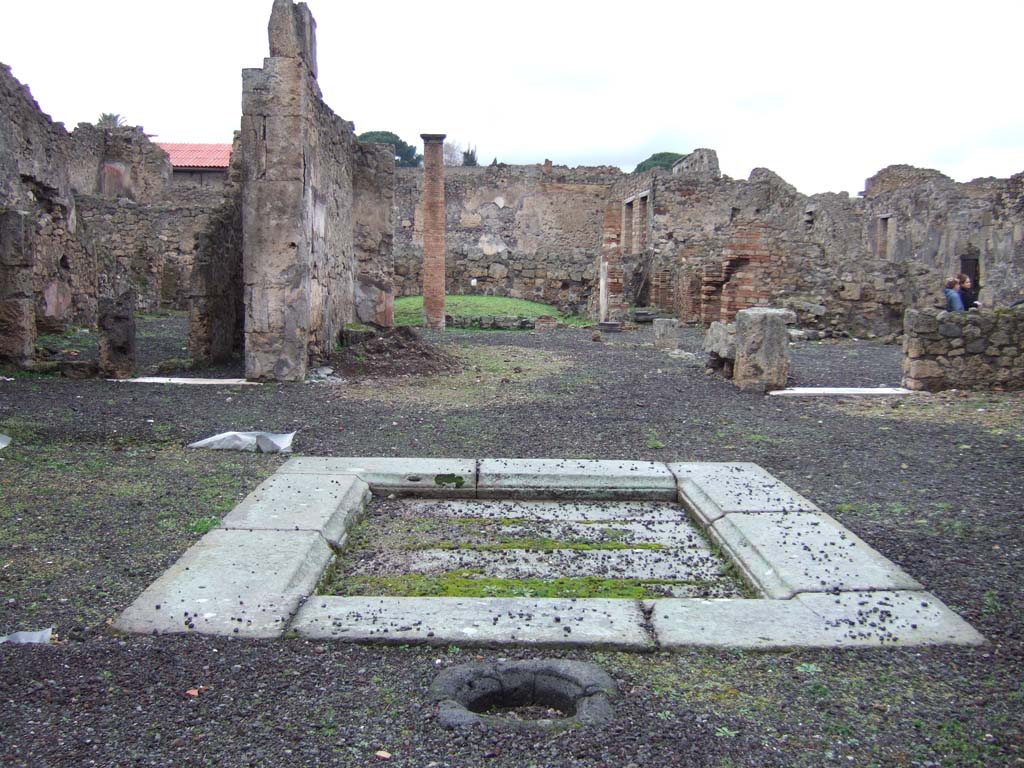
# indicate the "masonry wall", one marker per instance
pixel 152 246
pixel 47 262
pixel 964 350
pixel 844 265
pixel 531 232
pixel 299 162
pixel 373 184
pixel 215 290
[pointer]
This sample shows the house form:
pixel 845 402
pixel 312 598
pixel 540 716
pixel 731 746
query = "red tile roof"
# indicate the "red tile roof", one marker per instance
pixel 198 155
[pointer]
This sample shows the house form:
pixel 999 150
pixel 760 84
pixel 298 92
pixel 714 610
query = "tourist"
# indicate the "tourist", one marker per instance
pixel 953 301
pixel 967 293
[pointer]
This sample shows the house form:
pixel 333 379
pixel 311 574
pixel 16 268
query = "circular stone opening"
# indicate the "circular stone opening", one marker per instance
pixel 515 695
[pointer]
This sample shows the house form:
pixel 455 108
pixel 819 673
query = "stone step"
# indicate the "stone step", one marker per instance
pixel 476 621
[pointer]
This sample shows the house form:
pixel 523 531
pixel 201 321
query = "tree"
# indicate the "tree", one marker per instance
pixel 110 120
pixel 469 157
pixel 405 154
pixel 658 160
pixel 452 153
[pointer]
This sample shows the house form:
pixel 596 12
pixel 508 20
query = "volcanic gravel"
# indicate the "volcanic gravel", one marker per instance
pixel 940 497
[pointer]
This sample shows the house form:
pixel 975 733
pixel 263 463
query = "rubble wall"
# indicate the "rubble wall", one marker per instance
pixel 528 231
pixel 979 349
pixel 217 312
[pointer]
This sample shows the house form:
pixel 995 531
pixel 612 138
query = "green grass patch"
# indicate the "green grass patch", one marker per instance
pixel 469 584
pixel 409 309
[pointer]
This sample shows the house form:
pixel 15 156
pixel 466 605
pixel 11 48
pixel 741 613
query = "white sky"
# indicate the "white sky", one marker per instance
pixel 823 93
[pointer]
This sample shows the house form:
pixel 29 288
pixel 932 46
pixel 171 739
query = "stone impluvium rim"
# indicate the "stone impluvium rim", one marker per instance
pixel 820 585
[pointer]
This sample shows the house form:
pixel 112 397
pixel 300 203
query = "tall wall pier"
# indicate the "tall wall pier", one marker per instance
pixel 301 264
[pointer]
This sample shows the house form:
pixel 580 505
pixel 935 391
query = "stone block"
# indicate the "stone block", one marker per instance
pixel 784 554
pixel 449 478
pixel 327 504
pixel 574 479
pixel 244 583
pixel 762 349
pixel 475 621
pixel 666 333
pixel 710 490
pixel 117 336
pixel 850 619
pixel 720 340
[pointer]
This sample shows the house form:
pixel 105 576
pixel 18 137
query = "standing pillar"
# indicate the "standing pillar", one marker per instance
pixel 433 229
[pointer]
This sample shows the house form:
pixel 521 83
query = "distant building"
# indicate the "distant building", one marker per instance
pixel 203 165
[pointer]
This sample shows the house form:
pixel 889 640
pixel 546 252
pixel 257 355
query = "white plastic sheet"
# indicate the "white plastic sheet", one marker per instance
pixel 41 636
pixel 264 442
pixel 4 441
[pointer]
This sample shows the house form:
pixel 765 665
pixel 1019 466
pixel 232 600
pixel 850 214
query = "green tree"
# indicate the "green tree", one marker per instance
pixel 469 157
pixel 658 160
pixel 405 155
pixel 110 120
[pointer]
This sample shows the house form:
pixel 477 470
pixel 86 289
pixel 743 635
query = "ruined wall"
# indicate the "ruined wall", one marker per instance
pixel 715 245
pixel 964 350
pixel 216 329
pixel 299 161
pixel 47 263
pixel 373 183
pixel 531 232
pixel 118 163
pixel 151 247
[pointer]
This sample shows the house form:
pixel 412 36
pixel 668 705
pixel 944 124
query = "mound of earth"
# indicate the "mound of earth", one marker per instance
pixel 397 351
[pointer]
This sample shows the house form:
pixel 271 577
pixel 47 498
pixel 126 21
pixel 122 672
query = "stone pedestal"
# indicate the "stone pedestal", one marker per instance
pixel 666 333
pixel 117 336
pixel 762 349
pixel 433 229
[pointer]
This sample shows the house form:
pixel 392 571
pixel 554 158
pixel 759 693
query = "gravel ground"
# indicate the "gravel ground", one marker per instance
pixel 97 497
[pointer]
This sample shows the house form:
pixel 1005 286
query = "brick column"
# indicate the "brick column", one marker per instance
pixel 433 229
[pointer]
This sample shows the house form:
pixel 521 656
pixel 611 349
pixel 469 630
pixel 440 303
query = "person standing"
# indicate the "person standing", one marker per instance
pixel 968 295
pixel 953 301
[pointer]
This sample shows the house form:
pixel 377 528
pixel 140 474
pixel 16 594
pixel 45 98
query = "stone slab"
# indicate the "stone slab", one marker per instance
pixel 557 511
pixel 783 554
pixel 448 478
pixel 890 618
pixel 245 583
pixel 328 504
pixel 710 490
pixel 475 621
pixel 188 380
pixel 840 391
pixel 574 479
pixel 867 619
pixel 695 564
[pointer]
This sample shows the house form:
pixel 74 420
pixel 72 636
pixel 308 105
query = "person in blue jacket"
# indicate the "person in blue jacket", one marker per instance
pixel 953 301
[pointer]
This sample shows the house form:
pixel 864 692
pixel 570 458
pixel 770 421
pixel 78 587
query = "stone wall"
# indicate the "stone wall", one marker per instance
pixel 531 232
pixel 715 245
pixel 979 349
pixel 118 163
pixel 217 312
pixel 299 163
pixel 152 246
pixel 47 262
pixel 373 211
pixel 92 215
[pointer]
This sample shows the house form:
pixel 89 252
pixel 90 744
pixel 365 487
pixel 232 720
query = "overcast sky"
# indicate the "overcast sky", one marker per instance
pixel 823 93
